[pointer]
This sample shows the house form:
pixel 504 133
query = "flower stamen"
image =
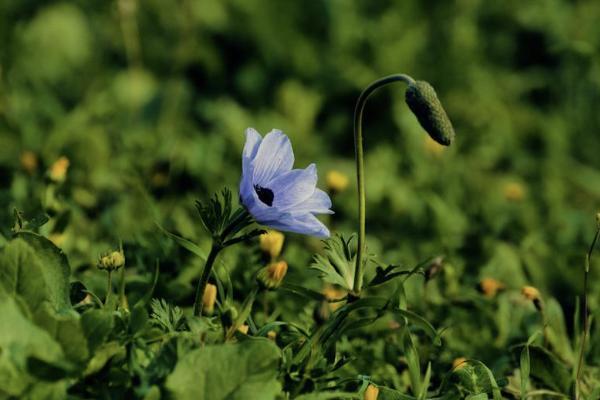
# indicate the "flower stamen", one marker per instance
pixel 265 195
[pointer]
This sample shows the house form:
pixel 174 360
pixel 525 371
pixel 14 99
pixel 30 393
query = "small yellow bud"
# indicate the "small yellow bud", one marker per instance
pixel 209 298
pixel 272 275
pixel 58 170
pixel 432 147
pixel 490 286
pixel 514 191
pixel 271 243
pixel 272 335
pixel 531 293
pixel 372 392
pixel 29 161
pixel 243 329
pixel 459 363
pixel 336 181
pixel 333 293
pixel 111 261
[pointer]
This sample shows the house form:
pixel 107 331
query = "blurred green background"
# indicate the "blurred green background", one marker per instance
pixel 149 102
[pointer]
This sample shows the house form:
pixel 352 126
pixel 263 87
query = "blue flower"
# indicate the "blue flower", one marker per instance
pixel 277 195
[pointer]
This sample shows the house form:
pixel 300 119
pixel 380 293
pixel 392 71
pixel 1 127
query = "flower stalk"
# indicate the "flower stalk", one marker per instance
pixel 586 321
pixel 212 256
pixel 423 102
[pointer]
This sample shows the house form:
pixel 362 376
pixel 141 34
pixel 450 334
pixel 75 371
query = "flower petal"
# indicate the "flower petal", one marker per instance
pixel 253 140
pixel 273 158
pixel 318 203
pixel 306 224
pixel 293 187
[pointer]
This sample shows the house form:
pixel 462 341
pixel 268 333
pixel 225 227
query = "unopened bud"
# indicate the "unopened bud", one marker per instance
pixel 271 243
pixel 490 286
pixel 459 362
pixel 58 170
pixel 272 275
pixel 29 162
pixel 424 103
pixel 336 181
pixel 371 393
pixel 514 191
pixel 243 329
pixel 111 261
pixel 531 293
pixel 272 335
pixel 209 298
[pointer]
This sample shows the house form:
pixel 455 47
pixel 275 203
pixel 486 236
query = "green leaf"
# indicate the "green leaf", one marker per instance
pixel 242 371
pixel 21 340
pixel 37 271
pixel 328 396
pixel 547 368
pixel 337 265
pixel 97 324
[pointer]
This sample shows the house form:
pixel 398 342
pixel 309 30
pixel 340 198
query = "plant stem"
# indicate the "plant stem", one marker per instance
pixel 360 169
pixel 586 322
pixel 214 251
pixel 108 287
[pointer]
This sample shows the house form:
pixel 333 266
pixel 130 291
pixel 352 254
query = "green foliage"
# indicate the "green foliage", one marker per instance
pixel 148 102
pixel 240 371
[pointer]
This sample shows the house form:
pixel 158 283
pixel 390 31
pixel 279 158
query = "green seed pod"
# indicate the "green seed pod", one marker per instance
pixel 424 103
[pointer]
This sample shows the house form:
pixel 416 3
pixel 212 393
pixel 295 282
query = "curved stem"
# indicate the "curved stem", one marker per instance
pixel 214 250
pixel 360 169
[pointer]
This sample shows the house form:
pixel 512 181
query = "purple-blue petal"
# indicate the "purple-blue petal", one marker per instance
pixel 273 158
pixel 293 187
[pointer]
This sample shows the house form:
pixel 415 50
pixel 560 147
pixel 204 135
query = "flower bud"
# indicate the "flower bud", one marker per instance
pixel 271 276
pixel 424 103
pixel 243 329
pixel 111 261
pixel 271 243
pixel 514 191
pixel 58 170
pixel 459 362
pixel 490 286
pixel 371 393
pixel 29 162
pixel 531 293
pixel 209 298
pixel 336 181
pixel 272 335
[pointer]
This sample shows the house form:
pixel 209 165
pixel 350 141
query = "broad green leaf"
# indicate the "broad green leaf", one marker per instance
pixel 36 270
pixel 242 371
pixel 97 324
pixel 20 340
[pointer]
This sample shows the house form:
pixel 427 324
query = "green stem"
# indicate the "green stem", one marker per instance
pixel 122 288
pixel 586 322
pixel 108 287
pixel 360 169
pixel 214 251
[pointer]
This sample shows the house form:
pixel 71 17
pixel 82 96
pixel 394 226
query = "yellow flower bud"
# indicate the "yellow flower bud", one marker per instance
pixel 58 170
pixel 336 181
pixel 272 275
pixel 531 293
pixel 243 329
pixel 490 286
pixel 111 261
pixel 514 191
pixel 209 298
pixel 29 161
pixel 371 393
pixel 459 363
pixel 271 243
pixel 272 335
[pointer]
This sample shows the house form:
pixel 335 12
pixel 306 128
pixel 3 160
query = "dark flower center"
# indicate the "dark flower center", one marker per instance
pixel 265 195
